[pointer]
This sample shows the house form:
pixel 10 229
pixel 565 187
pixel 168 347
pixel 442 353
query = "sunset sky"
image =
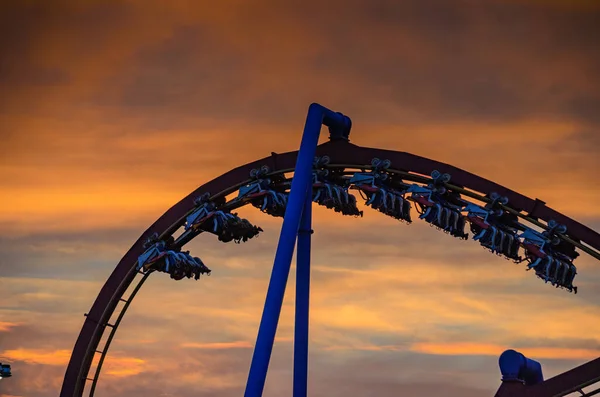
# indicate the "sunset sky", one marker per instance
pixel 112 111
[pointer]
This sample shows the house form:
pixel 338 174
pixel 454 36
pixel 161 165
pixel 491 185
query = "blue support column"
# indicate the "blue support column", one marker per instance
pixel 338 123
pixel 302 301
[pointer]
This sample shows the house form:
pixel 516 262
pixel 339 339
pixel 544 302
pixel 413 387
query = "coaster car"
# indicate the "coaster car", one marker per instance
pixel 494 228
pixel 227 226
pixel 438 207
pixel 549 263
pixel 177 264
pixel 262 194
pixel 330 189
pixel 375 188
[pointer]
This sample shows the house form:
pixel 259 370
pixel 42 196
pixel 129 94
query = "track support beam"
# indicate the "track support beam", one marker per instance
pixel 301 325
pixel 301 188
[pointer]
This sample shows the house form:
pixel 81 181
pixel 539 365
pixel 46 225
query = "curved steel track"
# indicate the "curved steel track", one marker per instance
pixel 343 155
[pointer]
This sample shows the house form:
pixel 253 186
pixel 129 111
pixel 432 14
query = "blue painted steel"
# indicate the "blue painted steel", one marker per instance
pixel 340 125
pixel 5 371
pixel 302 301
pixel 514 366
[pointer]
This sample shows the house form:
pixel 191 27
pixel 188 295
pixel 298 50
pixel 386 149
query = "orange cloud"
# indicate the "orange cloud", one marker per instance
pixel 373 348
pixel 46 357
pixel 474 349
pixel 487 349
pixel 6 326
pixel 115 365
pixel 77 195
pixel 218 345
pixel 124 366
pixel 356 317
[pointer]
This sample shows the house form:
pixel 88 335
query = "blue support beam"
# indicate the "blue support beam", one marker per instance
pixel 302 301
pixel 339 126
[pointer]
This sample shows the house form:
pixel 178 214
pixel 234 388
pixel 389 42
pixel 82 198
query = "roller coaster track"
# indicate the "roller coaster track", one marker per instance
pixel 343 155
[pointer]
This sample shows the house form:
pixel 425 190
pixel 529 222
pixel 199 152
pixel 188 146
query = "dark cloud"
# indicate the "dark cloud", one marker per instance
pixel 576 154
pixel 461 61
pixel 42 380
pixel 393 373
pixel 31 30
pixel 586 108
pixel 37 336
pixel 22 25
pixel 389 388
pixel 573 343
pixel 71 255
pixel 26 24
pixel 185 71
pixel 341 376
pixel 496 61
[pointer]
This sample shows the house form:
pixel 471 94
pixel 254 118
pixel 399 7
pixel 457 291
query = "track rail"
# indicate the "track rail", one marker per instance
pixel 113 330
pixel 342 155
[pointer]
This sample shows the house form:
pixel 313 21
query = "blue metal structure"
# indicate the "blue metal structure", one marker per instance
pixel 300 199
pixel 302 301
pixel 515 367
pixel 5 371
